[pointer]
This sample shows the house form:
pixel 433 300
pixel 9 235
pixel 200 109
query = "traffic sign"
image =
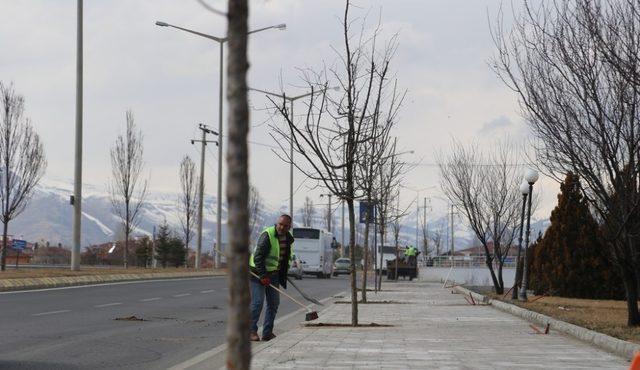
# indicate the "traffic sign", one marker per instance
pixel 367 211
pixel 18 244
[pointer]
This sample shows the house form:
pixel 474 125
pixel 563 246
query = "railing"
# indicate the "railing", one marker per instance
pixel 465 262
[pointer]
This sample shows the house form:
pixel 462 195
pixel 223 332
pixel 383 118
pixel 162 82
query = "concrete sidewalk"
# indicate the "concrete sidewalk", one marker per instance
pixel 432 328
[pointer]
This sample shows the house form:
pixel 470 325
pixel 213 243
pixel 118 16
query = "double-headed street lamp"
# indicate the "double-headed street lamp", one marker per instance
pixel 530 177
pixel 290 99
pixel 220 41
pixel 524 190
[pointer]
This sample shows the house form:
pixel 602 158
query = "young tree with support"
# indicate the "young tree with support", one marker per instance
pixel 127 188
pixel 188 200
pixel 335 130
pixel 22 161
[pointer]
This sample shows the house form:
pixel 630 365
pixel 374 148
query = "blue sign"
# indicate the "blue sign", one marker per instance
pixel 18 244
pixel 367 211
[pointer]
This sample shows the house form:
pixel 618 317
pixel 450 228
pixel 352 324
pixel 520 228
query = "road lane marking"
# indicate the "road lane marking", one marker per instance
pixel 50 312
pixel 150 299
pixel 108 304
pixel 207 291
pixel 181 295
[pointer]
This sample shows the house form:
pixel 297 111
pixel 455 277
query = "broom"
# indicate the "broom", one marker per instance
pixel 309 316
pixel 310 299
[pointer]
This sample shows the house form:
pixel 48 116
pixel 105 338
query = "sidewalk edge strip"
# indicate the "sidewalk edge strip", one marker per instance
pixel 215 351
pixel 618 346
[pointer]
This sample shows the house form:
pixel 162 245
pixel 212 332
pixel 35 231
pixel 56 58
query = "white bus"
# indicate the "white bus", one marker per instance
pixel 314 248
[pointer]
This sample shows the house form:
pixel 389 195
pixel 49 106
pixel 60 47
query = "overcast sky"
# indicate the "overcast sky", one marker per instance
pixel 169 79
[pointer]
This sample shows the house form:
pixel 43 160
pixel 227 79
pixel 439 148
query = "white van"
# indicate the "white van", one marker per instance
pixel 313 248
pixel 388 254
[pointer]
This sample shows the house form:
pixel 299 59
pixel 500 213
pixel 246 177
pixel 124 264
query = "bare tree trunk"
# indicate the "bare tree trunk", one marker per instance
pixel 365 256
pixel 352 256
pixel 127 231
pixel 238 345
pixel 631 288
pixel 5 229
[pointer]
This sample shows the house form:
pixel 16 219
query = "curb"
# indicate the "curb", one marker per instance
pixel 65 281
pixel 197 360
pixel 603 341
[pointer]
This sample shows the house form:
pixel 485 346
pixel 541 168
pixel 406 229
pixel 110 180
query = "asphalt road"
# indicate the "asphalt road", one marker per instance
pixel 76 328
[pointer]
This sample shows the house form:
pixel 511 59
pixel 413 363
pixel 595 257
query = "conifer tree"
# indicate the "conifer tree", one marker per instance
pixel 570 260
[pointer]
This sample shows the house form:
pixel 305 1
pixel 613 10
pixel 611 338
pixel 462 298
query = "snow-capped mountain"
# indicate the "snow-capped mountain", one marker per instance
pixel 49 217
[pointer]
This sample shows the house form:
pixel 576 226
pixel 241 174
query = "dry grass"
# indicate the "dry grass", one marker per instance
pixel 57 272
pixel 604 316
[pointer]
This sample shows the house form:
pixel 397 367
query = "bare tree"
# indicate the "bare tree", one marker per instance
pixel 391 173
pixel 188 200
pixel 436 237
pixel 396 226
pixel 255 212
pixel 574 67
pixel 335 129
pixel 22 161
pixel 238 345
pixel 308 212
pixel 127 188
pixel 378 150
pixel 484 187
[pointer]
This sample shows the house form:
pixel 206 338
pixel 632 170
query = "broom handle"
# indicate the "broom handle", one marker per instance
pixel 282 291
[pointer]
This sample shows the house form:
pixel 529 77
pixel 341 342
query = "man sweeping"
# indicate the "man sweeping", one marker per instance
pixel 270 262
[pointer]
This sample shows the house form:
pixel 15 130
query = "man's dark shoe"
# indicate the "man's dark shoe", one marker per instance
pixel 268 337
pixel 254 337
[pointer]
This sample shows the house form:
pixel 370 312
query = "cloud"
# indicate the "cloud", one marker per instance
pixel 495 124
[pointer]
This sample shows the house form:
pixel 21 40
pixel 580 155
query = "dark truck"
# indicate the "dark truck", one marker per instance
pixel 404 269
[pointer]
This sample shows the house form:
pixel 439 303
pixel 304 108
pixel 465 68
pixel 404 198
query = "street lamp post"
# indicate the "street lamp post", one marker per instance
pixel 77 183
pixel 291 100
pixel 531 177
pixel 220 41
pixel 524 189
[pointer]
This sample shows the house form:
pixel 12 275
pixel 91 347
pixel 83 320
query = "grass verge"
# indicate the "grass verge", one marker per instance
pixel 604 316
pixel 60 272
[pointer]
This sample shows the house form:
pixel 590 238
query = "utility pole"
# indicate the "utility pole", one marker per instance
pixel 204 141
pixel 77 186
pixel 417 219
pixel 154 261
pixel 452 235
pixel 329 214
pixel 425 235
pixel 342 249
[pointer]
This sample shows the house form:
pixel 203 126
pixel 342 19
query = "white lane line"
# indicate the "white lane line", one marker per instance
pixel 150 299
pixel 207 291
pixel 181 295
pixel 50 313
pixel 108 304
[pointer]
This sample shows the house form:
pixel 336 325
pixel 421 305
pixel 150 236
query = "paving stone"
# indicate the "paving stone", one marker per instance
pixel 432 328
